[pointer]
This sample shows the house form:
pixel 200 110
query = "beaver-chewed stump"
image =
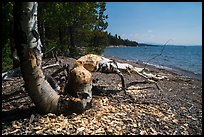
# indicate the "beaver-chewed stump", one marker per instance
pixel 80 86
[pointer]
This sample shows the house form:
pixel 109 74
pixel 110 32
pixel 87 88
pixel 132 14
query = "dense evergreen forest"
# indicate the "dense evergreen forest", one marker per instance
pixel 118 41
pixel 66 28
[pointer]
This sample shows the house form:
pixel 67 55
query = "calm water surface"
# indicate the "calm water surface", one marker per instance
pixel 185 60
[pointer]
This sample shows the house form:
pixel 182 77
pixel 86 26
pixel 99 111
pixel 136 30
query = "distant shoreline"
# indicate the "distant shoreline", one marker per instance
pixel 141 44
pixel 113 46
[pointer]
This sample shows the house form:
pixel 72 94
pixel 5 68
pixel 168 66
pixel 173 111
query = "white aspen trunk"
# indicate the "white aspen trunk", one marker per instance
pixel 28 46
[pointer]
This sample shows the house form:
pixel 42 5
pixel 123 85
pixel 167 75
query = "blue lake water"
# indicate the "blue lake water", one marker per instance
pixel 185 60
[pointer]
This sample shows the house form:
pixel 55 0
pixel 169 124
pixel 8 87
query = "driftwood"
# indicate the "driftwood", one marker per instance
pixel 51 65
pixel 96 63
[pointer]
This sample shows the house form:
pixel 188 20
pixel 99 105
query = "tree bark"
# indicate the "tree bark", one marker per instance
pixel 28 45
pixel 42 32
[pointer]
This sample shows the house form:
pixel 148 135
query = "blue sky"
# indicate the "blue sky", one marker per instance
pixel 156 22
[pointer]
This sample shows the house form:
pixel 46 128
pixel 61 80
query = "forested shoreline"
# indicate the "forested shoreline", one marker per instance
pixel 69 29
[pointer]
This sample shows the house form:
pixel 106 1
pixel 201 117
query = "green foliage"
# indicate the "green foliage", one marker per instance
pixel 7 22
pixel 73 25
pixel 51 46
pixel 98 42
pixel 7 62
pixel 74 52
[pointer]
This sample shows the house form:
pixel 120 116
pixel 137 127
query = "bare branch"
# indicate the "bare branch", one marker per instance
pixel 50 66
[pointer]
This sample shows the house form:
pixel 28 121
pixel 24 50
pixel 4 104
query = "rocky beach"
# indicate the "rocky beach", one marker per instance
pixel 173 109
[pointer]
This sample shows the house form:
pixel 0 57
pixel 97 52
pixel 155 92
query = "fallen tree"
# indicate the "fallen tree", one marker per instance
pixel 96 63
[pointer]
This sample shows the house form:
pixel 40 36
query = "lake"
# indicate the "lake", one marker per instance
pixel 185 60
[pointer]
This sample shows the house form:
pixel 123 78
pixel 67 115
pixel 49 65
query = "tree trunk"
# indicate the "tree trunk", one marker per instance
pixel 28 45
pixel 72 44
pixel 43 29
pixel 42 32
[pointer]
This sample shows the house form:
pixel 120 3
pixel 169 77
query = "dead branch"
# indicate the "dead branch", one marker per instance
pixel 51 65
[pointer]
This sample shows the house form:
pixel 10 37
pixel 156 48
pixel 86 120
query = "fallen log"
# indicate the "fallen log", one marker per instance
pixel 96 63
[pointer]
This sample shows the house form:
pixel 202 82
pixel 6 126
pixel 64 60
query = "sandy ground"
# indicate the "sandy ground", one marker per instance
pixel 175 109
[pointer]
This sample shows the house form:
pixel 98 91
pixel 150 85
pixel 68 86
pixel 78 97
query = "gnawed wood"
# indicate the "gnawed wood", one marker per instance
pixel 96 63
pixel 80 85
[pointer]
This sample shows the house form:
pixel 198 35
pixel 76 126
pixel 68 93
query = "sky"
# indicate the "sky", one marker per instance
pixel 179 23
